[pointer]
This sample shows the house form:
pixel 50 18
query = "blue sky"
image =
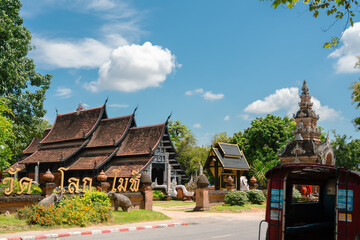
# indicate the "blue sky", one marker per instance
pixel 215 64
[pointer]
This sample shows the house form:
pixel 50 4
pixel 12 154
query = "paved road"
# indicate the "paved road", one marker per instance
pixel 198 229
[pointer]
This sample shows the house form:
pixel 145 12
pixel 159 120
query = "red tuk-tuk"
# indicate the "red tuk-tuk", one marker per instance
pixel 312 201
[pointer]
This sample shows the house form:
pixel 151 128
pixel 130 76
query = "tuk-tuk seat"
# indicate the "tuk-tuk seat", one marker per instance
pixel 310 227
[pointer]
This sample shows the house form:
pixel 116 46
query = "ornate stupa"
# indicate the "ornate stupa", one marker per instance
pixel 307 146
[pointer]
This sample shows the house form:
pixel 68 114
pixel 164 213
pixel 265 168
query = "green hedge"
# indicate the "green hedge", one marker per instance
pixel 256 196
pixel 236 198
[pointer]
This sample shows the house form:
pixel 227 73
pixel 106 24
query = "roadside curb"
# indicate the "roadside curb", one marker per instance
pixel 93 232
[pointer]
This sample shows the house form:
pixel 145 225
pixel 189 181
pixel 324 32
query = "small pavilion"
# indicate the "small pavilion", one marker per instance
pixel 226 160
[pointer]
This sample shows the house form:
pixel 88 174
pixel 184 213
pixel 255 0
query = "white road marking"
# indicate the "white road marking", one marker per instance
pixel 222 236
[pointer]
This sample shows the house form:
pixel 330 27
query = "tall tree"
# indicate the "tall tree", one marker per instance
pixel 261 141
pixel 20 84
pixel 181 136
pixel 347 151
pixel 189 154
pixel 338 9
pixel 264 137
pixel 6 134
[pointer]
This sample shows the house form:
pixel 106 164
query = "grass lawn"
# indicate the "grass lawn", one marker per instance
pixel 172 203
pixel 10 224
pixel 225 208
pixel 137 216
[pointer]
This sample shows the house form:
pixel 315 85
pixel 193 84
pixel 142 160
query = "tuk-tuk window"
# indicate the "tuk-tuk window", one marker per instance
pixel 305 193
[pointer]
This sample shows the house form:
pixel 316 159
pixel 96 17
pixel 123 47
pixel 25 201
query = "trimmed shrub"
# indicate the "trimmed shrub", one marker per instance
pixel 296 195
pixel 236 198
pixel 256 196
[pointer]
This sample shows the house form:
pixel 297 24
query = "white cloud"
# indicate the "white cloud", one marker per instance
pixel 118 25
pixel 287 99
pixel 212 96
pixel 134 67
pixel 284 98
pixel 63 92
pixel 208 95
pixel 193 92
pixel 346 55
pixel 58 53
pixel 197 125
pixel 85 105
pixel 245 117
pixel 118 105
pixel 227 118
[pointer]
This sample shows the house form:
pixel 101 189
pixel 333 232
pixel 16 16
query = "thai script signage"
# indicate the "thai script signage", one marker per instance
pixel 131 183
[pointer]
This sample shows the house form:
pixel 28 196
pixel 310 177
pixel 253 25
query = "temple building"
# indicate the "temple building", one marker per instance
pixel 87 142
pixel 307 146
pixel 226 160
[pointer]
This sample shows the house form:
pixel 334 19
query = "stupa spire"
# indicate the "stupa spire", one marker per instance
pixel 306 118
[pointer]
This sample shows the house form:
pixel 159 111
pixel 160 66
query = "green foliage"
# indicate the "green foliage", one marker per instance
pixel 96 198
pixel 181 136
pixel 338 9
pixel 356 97
pixel 24 213
pixel 93 207
pixel 261 141
pixel 43 215
pixel 20 84
pixel 347 151
pixel 236 198
pixel 189 155
pixel 190 158
pixel 6 134
pixel 296 195
pixel 220 137
pixel 158 194
pixel 256 196
pixel 34 189
pixel 259 169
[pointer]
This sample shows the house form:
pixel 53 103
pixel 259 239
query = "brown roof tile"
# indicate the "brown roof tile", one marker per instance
pixel 75 125
pixel 86 163
pixel 35 143
pixel 20 165
pixel 109 131
pixel 126 168
pixel 50 155
pixel 139 140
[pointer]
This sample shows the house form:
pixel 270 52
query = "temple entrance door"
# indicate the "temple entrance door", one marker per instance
pixel 157 172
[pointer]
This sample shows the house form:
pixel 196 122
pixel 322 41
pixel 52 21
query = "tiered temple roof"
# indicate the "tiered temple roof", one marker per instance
pixel 307 146
pixel 87 141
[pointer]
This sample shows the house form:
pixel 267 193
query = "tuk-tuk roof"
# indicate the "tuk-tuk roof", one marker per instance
pixel 291 166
